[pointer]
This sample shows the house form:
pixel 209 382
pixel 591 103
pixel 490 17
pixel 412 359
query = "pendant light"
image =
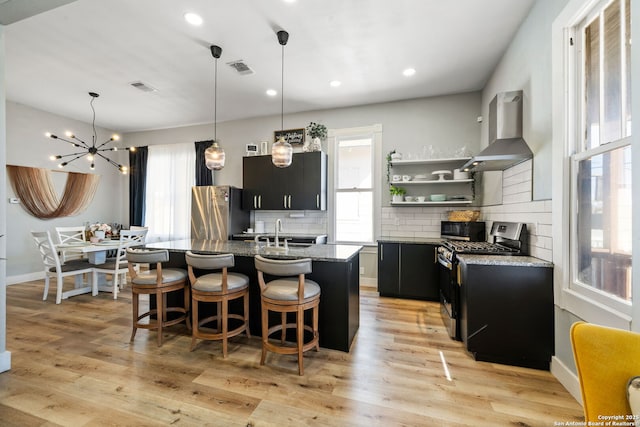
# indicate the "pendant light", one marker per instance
pixel 214 155
pixel 281 151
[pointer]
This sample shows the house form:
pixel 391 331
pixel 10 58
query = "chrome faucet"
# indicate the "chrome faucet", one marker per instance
pixel 278 229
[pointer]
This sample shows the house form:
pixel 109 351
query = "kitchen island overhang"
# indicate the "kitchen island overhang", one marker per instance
pixel 335 269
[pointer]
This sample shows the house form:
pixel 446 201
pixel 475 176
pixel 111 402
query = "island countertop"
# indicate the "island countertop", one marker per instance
pixel 334 267
pixel 329 252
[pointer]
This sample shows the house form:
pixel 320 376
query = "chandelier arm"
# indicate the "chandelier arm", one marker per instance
pixel 75 158
pixel 110 161
pixel 75 144
pixel 83 143
pixel 79 154
pixel 106 142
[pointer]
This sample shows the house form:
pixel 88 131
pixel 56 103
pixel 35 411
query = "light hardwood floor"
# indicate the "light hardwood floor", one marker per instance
pixel 73 365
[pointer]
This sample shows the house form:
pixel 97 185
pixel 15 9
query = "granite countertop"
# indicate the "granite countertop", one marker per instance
pixel 282 235
pixel 427 240
pixel 329 252
pixel 512 260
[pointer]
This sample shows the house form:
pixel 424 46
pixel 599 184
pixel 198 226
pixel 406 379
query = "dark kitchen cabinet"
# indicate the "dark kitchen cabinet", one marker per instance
pixel 506 313
pixel 408 270
pixel 301 186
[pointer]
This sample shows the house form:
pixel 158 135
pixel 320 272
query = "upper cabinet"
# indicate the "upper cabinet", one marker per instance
pixel 432 182
pixel 301 186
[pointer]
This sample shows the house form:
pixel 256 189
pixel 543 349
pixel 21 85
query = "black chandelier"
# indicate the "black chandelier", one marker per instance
pixel 92 150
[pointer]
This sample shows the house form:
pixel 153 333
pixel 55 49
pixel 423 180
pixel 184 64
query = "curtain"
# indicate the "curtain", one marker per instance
pixel 170 176
pixel 137 184
pixel 34 187
pixel 203 175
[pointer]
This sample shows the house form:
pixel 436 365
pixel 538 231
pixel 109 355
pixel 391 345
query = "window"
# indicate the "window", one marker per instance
pixel 170 176
pixel 598 199
pixel 353 213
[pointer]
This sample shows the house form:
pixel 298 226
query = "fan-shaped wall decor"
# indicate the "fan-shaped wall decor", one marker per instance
pixel 38 195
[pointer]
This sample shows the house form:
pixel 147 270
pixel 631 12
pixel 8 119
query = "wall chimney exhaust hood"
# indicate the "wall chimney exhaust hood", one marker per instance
pixel 506 146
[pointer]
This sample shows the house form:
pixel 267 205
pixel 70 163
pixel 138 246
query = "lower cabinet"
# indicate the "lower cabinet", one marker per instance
pixel 507 313
pixel 408 270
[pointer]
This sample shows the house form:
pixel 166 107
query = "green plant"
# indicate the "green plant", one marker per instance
pixel 317 130
pixel 397 191
pixel 389 164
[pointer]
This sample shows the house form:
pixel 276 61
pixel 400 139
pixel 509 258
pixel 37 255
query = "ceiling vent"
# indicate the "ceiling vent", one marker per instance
pixel 143 87
pixel 242 68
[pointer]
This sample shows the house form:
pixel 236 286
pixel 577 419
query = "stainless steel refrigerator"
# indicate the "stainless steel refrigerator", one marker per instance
pixel 216 212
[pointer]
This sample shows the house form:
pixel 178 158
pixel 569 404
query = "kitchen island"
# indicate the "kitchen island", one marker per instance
pixel 335 269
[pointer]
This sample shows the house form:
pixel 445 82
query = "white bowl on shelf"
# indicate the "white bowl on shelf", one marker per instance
pixel 441 174
pixel 408 198
pixel 420 199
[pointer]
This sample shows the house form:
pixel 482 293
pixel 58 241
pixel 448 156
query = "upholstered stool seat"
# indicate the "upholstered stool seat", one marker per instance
pixel 289 293
pixel 158 282
pixel 218 288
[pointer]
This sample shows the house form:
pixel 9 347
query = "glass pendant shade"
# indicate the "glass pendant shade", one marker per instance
pixel 281 153
pixel 214 157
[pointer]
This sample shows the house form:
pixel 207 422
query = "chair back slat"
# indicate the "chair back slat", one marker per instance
pixel 47 249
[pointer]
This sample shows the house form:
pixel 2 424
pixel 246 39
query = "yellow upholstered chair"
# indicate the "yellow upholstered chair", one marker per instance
pixel 606 359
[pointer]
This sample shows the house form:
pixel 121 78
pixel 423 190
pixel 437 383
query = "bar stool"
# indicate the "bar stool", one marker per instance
pixel 158 282
pixel 290 294
pixel 219 288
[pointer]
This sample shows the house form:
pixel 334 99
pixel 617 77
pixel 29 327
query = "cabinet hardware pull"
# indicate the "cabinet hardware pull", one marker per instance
pixel 318 201
pixel 284 201
pixel 289 201
pixel 255 202
pixel 260 201
pixel 381 251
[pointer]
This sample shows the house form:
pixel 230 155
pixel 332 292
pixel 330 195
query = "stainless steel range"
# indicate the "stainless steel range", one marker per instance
pixel 508 238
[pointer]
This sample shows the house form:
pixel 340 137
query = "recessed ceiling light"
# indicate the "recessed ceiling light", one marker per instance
pixel 193 18
pixel 409 72
pixel 335 83
pixel 272 92
pixel 290 1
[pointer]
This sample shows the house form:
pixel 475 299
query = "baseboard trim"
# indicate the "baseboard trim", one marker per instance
pixel 5 361
pixel 21 278
pixel 369 282
pixel 567 378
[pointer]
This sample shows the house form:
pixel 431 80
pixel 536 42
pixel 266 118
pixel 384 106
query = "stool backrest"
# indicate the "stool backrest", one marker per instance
pixel 283 267
pixel 147 256
pixel 209 261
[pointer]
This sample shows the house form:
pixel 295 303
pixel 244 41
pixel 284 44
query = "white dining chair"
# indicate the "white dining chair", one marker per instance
pixel 70 235
pixel 117 266
pixel 54 268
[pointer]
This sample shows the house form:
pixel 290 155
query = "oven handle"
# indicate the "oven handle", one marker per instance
pixel 445 263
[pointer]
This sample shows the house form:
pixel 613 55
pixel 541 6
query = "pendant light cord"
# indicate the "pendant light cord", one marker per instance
pixel 215 102
pixel 282 93
pixel 93 122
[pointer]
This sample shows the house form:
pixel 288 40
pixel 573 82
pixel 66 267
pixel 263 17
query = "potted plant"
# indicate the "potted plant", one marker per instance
pixel 397 193
pixel 317 132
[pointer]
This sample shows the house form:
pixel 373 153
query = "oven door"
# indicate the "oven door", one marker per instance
pixel 449 297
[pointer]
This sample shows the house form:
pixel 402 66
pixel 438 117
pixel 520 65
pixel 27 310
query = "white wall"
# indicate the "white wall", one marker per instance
pixel 526 65
pixel 27 146
pixel 5 356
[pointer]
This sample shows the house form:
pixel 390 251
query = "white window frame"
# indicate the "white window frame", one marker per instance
pixel 375 132
pixel 589 304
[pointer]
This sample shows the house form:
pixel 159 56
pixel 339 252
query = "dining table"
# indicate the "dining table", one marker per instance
pixel 96 254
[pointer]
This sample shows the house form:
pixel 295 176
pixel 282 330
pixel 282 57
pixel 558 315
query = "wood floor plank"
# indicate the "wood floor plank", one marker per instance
pixel 73 364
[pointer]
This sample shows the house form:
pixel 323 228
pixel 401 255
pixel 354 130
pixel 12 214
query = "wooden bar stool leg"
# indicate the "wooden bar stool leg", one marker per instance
pixel 300 338
pixel 225 325
pixel 160 303
pixel 315 326
pixel 265 331
pixel 187 307
pixel 246 315
pixel 218 315
pixel 134 304
pixel 283 317
pixel 194 320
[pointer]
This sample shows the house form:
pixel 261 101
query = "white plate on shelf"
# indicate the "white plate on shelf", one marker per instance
pixel 441 174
